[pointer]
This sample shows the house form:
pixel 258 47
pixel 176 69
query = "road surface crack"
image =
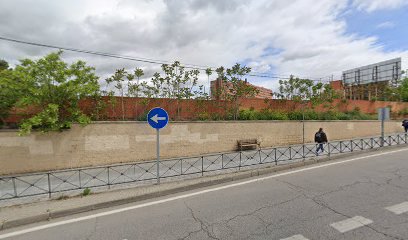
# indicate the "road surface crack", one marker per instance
pixel 203 226
pixel 253 214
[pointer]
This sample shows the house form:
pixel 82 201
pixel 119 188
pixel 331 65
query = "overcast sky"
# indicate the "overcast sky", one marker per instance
pixel 308 38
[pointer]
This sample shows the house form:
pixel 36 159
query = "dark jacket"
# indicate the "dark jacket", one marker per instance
pixel 320 137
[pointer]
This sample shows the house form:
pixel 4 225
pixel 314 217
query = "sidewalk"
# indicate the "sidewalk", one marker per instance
pixel 19 215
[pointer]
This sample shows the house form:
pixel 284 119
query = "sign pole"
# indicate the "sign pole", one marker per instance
pixel 157 119
pixel 382 126
pixel 158 154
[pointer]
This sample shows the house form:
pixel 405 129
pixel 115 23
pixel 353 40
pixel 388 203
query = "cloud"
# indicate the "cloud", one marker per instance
pixel 374 5
pixel 386 25
pixel 301 37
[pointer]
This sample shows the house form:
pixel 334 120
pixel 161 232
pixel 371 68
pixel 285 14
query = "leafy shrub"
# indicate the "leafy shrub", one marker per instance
pixel 295 115
pixel 86 192
pixel 308 114
pixel 403 112
pixel 311 115
pixel 203 116
pixel 275 115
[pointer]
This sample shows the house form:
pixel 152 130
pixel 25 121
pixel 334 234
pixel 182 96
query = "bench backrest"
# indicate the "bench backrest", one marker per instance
pixel 248 141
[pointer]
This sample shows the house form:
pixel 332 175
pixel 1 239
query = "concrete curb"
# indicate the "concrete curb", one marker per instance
pixel 222 178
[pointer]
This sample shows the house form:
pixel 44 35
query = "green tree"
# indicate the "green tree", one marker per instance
pixel 235 87
pixel 118 79
pixel 55 89
pixel 297 89
pixel 10 92
pixel 302 90
pixel 135 88
pixel 3 65
pixel 403 90
pixel 175 83
pixel 208 71
pixel 138 73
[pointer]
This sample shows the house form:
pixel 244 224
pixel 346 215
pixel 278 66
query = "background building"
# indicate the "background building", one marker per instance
pixel 219 84
pixel 371 81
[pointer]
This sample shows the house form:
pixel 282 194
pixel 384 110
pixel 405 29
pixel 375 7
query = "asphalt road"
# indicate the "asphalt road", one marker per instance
pixel 360 198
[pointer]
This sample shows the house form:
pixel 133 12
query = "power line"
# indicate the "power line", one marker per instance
pixel 145 60
pixel 104 54
pixel 136 59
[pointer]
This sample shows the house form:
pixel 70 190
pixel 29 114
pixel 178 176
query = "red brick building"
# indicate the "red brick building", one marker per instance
pixel 263 93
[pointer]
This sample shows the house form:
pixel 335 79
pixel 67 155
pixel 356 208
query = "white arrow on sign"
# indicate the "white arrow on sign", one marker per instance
pixel 156 118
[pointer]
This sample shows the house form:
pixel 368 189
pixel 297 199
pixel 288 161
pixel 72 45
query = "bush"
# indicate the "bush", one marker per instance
pixel 309 115
pixel 343 116
pixel 266 114
pixel 86 192
pixel 403 112
pixel 203 116
pixel 295 115
pixel 216 117
pixel 278 116
pixel 329 115
pixel 247 114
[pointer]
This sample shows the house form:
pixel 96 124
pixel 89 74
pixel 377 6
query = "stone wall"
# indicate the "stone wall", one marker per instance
pixel 119 142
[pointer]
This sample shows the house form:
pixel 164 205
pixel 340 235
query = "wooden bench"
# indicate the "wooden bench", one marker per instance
pixel 248 143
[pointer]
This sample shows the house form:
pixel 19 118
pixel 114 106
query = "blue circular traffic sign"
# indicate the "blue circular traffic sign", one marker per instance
pixel 157 118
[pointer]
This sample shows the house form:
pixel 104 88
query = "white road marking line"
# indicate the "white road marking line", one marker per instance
pixel 399 208
pixel 50 225
pixel 295 237
pixel 351 223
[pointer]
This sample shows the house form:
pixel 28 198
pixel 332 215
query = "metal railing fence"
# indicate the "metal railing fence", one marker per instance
pixel 52 182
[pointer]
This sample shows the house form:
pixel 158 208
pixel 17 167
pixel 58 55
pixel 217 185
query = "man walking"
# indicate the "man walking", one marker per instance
pixel 320 139
pixel 405 125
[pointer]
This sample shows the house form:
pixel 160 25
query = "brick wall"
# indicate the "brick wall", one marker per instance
pixel 136 108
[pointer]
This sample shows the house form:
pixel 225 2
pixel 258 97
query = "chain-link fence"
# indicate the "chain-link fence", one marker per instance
pixel 49 183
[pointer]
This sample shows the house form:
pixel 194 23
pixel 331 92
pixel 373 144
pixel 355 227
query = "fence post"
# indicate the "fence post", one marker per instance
pixel 351 145
pixel 276 159
pixel 341 151
pixel 328 149
pixel 240 160
pixel 49 185
pixel 372 143
pixel 260 157
pixel 290 153
pixel 79 176
pixel 108 178
pixel 181 167
pixel 13 179
pixel 202 166
pixel 303 152
pixel 222 161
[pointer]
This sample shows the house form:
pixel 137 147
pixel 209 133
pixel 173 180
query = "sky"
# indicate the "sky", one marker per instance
pixel 307 38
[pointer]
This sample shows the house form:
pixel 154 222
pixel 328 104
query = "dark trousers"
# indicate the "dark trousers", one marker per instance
pixel 406 129
pixel 320 147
